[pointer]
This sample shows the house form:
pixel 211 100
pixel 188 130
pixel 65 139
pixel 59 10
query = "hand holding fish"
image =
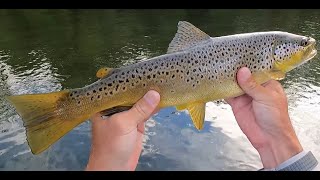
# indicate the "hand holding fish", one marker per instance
pixel 117 141
pixel 262 114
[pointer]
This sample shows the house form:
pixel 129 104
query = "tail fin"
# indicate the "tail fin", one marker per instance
pixel 40 114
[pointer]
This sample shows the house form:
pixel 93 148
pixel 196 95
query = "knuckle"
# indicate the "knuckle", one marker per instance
pixel 140 110
pixel 251 85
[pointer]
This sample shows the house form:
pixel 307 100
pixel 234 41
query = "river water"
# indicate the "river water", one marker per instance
pixel 48 50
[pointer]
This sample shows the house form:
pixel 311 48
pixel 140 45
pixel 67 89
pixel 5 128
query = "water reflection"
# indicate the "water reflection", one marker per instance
pixel 49 50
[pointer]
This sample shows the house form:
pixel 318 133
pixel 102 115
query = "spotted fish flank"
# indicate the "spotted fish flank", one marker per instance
pixel 196 69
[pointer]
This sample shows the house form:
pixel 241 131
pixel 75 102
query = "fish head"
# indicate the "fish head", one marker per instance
pixel 291 50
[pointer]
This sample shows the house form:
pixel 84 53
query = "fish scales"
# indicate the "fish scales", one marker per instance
pixel 199 72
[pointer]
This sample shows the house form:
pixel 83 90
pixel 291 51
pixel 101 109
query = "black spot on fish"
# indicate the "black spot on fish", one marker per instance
pixel 127 80
pixel 110 84
pixel 148 77
pixel 91 98
pixel 167 73
pixel 120 81
pixel 94 91
pixel 117 86
pixel 110 92
pixel 104 88
pixel 100 89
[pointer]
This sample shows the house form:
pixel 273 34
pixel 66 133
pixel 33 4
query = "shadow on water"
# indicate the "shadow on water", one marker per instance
pixel 49 50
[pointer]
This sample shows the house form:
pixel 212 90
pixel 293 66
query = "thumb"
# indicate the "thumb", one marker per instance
pixel 249 85
pixel 145 107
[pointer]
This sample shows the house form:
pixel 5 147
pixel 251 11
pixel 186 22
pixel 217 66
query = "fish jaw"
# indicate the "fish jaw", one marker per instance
pixel 298 58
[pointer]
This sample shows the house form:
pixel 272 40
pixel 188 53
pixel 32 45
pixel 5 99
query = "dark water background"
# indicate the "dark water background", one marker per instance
pixel 48 50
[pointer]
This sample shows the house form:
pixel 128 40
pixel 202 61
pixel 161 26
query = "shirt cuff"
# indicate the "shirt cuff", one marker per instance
pixel 301 161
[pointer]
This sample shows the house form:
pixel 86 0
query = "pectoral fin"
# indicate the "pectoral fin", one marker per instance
pixel 277 75
pixel 197 113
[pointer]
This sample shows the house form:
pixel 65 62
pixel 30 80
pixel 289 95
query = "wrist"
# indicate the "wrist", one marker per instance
pixel 105 163
pixel 279 150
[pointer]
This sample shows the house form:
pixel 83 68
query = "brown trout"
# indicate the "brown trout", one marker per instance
pixel 196 69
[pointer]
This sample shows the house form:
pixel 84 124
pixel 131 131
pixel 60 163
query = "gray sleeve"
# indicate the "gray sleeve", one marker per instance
pixel 304 161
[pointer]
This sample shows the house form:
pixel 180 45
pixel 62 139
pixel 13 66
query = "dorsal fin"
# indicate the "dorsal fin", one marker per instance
pixel 187 36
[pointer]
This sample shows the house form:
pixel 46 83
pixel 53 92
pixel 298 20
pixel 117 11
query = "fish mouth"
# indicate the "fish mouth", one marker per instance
pixel 307 54
pixel 311 51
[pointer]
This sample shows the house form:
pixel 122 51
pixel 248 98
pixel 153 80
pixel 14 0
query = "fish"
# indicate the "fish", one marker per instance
pixel 196 69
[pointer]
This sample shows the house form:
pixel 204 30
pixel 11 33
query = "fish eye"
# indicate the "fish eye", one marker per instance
pixel 304 42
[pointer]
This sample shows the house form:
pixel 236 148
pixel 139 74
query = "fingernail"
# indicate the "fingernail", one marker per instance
pixel 152 98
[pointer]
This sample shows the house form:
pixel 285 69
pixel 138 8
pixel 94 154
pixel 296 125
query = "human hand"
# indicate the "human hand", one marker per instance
pixel 117 140
pixel 262 114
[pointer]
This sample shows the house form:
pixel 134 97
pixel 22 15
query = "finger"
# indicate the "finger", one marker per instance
pixel 230 101
pixel 140 127
pixel 274 85
pixel 240 101
pixel 144 108
pixel 249 85
pixel 96 118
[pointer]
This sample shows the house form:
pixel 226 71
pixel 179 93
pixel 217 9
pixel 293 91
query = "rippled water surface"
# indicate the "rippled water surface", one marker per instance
pixel 48 50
